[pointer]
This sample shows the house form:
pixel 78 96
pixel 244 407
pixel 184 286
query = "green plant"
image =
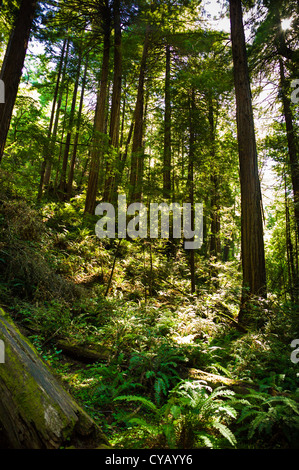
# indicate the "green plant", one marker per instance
pixel 275 419
pixel 193 416
pixel 157 369
pixel 203 415
pixel 111 382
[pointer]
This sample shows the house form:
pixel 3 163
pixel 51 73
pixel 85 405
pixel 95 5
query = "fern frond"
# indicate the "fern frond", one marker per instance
pixel 222 392
pixel 229 410
pixel 222 369
pixel 225 432
pixel 206 439
pixel 286 401
pixel 159 387
pixel 142 423
pixel 246 413
pixel 144 401
pixel 257 424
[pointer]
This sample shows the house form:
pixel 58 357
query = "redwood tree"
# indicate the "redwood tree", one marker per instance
pixel 99 120
pixel 13 63
pixel 252 242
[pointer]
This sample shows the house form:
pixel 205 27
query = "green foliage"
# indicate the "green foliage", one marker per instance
pixel 157 369
pixel 157 337
pixel 194 416
pixel 271 417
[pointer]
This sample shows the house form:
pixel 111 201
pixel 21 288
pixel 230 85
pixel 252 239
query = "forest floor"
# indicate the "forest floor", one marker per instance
pixel 155 366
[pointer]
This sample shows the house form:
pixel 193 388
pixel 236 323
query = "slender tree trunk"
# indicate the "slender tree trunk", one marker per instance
pixel 190 180
pixel 84 170
pixel 74 154
pixel 215 206
pixel 47 145
pixel 292 140
pixel 63 185
pixel 123 158
pixel 167 129
pixel 11 71
pixel 99 128
pixel 48 169
pixel 137 145
pixel 109 194
pixel 252 242
pixel 62 138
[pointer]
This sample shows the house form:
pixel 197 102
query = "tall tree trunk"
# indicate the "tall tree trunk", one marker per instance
pixel 292 140
pixel 62 185
pixel 215 206
pixel 11 71
pixel 109 193
pixel 190 180
pixel 62 137
pixel 48 169
pixel 123 158
pixel 74 154
pixel 137 145
pixel 252 242
pixel 47 145
pixel 99 128
pixel 167 129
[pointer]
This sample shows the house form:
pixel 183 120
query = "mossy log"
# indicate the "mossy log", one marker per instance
pixel 85 353
pixel 215 380
pixel 35 410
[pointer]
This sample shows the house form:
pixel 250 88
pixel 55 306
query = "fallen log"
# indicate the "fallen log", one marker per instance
pixel 85 353
pixel 214 380
pixel 36 412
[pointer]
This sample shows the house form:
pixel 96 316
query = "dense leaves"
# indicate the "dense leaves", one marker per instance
pixel 137 98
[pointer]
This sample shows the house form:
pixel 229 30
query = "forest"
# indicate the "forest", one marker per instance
pixel 149 222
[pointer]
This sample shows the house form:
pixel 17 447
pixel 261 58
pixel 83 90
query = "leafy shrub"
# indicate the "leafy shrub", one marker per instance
pixel 275 419
pixel 157 369
pixel 194 416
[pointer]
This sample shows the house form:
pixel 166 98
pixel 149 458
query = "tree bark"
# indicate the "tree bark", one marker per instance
pixel 99 128
pixel 252 242
pixel 11 71
pixel 48 169
pixel 63 185
pixel 167 129
pixel 291 139
pixel 109 184
pixel 35 411
pixel 47 145
pixel 215 247
pixel 137 144
pixel 190 180
pixel 74 154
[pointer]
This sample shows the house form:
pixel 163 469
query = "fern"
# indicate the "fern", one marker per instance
pixel 225 431
pixel 262 412
pixel 218 367
pixel 203 410
pixel 285 401
pixel 157 369
pixel 206 440
pixel 194 414
pixel 144 401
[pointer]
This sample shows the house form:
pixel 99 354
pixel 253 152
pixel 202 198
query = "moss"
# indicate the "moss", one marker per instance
pixel 34 400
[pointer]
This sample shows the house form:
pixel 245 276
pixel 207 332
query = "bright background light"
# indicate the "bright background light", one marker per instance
pixel 286 23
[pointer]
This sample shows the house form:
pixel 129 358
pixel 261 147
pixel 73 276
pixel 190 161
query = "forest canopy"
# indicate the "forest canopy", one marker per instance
pixel 185 111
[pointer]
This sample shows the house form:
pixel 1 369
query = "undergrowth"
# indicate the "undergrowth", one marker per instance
pixel 53 277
